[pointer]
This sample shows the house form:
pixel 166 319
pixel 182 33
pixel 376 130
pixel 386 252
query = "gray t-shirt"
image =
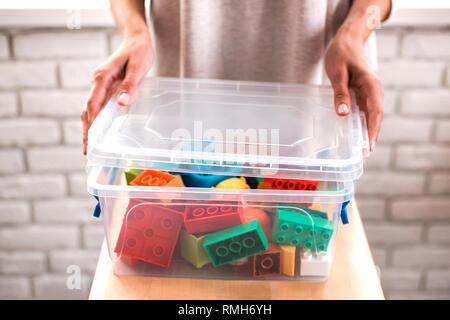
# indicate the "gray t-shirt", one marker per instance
pixel 259 40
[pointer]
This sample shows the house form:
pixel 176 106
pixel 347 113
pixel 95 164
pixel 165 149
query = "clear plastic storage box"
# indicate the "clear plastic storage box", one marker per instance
pixel 224 179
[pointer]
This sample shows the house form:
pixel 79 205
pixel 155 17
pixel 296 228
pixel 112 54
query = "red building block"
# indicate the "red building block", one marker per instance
pixel 211 216
pixel 149 232
pixel 288 184
pixel 267 263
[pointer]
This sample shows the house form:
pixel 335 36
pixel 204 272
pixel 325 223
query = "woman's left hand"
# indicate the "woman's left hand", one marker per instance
pixel 347 68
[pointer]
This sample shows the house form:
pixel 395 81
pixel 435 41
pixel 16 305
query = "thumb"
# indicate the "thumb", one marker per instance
pixel 342 99
pixel 127 89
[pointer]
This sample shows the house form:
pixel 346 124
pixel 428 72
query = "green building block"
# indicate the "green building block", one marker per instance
pixel 130 174
pixel 192 249
pixel 235 243
pixel 294 228
pixel 302 210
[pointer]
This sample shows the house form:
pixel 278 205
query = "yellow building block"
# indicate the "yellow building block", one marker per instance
pixel 192 249
pixel 287 260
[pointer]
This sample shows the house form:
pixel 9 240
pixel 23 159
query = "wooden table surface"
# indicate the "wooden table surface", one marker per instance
pixel 353 276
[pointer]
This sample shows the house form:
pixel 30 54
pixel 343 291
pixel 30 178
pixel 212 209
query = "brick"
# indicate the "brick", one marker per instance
pixel 439 234
pixel 390 183
pixel 438 279
pixel 4 47
pixel 423 157
pixel 447 77
pixel 11 161
pixel 53 103
pixel 426 44
pixel 73 44
pixel 440 183
pixel 62 159
pixel 27 74
pixel 400 279
pixel 54 286
pixel 379 256
pixel 400 129
pixel 22 132
pixel 93 235
pixel 413 295
pixel 8 104
pixel 390 101
pixel 85 259
pixel 443 131
pixel 423 208
pixel 14 287
pixel 77 73
pixel 73 132
pixel 39 237
pixel 411 73
pixel 69 210
pixel 22 263
pixel 371 208
pixel 392 233
pixel 421 256
pixel 426 102
pixel 14 212
pixel 32 186
pixel 77 184
pixel 387 44
pixel 380 158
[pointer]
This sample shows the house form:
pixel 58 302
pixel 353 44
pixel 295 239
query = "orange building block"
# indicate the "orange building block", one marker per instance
pixel 265 221
pixel 157 179
pixel 267 263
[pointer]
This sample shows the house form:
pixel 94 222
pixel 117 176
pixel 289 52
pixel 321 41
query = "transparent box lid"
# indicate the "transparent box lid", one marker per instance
pixel 232 128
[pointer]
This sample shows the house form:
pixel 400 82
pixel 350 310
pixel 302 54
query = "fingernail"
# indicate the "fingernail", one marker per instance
pixel 124 98
pixel 372 146
pixel 342 108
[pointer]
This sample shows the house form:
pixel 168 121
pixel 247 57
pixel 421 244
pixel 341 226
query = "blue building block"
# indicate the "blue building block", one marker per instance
pixel 200 180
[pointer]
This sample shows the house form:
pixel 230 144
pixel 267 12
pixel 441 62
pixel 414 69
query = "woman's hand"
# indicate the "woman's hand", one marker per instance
pixel 347 68
pixel 120 74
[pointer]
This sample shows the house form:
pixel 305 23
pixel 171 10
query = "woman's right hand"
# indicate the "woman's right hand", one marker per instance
pixel 120 74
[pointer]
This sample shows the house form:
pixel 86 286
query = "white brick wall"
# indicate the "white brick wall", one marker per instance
pixel 69 44
pixel 404 194
pixel 44 77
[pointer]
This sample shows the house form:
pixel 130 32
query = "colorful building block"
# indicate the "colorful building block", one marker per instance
pixel 157 179
pixel 315 265
pixel 149 232
pixel 235 243
pixel 267 263
pixel 207 216
pixel 131 174
pixel 192 249
pixel 287 259
pixel 265 220
pixel 234 183
pixel 199 180
pixel 298 229
pixel 288 184
pixel 304 210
